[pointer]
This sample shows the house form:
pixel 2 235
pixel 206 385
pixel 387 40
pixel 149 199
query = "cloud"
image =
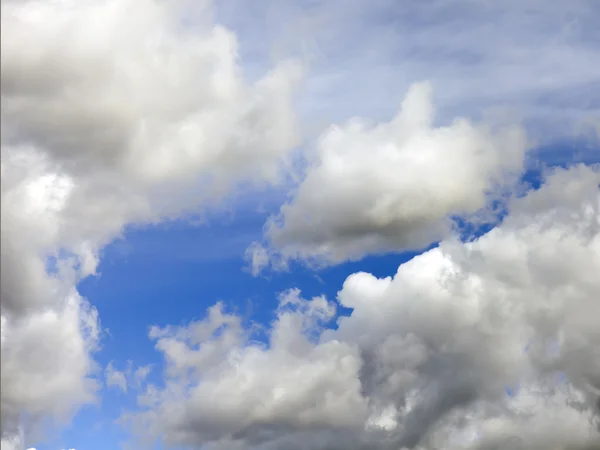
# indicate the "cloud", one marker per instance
pixel 96 89
pixel 48 330
pixel 524 58
pixel 130 378
pixel 113 113
pixel 425 358
pixel 141 374
pixel 115 378
pixel 11 443
pixel 245 386
pixel 392 186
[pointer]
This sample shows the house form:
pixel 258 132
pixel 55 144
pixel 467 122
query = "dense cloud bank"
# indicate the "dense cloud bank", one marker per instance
pixel 488 344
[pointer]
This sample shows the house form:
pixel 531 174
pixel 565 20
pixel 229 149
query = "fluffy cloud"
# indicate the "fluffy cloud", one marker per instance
pixel 391 186
pixel 487 344
pixel 122 85
pixel 250 391
pixel 113 113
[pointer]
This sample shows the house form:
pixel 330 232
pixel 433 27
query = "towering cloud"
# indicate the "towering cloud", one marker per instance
pixel 113 112
pixel 487 344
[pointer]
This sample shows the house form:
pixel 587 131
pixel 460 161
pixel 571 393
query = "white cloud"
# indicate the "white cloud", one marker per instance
pixel 96 89
pixel 130 378
pixel 11 442
pixel 115 378
pixel 425 358
pixel 245 385
pixel 141 374
pixel 391 186
pixel 112 114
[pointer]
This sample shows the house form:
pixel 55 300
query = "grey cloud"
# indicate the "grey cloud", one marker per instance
pixel 391 186
pixel 425 358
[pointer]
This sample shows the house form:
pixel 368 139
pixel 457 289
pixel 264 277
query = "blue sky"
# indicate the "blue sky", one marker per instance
pixel 390 199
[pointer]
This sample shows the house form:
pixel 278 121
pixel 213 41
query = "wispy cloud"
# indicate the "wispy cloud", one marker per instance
pixel 533 58
pixel 115 378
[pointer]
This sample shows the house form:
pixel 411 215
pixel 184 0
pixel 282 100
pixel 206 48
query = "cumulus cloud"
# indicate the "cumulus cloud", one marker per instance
pixel 251 390
pixel 113 113
pixel 109 84
pixel 424 360
pixel 391 186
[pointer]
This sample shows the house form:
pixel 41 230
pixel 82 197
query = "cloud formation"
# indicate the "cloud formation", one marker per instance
pixel 121 85
pixel 391 186
pixel 113 113
pixel 532 59
pixel 424 360
pixel 123 112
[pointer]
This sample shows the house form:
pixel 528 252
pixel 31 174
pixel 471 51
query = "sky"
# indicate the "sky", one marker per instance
pixel 300 225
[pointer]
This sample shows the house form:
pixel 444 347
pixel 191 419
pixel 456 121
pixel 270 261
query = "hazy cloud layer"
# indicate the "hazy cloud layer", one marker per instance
pixel 532 59
pixel 425 359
